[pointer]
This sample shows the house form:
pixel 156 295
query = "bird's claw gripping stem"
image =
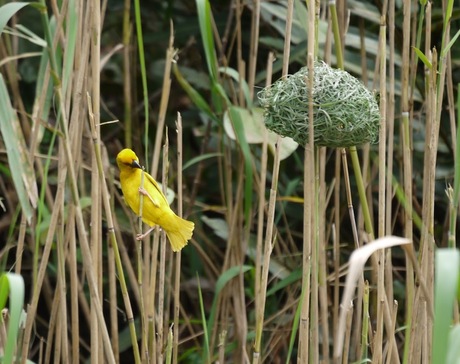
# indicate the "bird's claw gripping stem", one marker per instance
pixel 142 236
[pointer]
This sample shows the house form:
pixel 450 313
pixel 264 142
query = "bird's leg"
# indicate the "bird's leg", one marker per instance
pixel 142 236
pixel 145 193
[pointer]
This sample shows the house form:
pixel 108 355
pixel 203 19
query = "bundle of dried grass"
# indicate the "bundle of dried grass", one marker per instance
pixel 346 113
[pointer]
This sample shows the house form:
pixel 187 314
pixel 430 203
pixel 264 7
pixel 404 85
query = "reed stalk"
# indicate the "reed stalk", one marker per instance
pixel 178 255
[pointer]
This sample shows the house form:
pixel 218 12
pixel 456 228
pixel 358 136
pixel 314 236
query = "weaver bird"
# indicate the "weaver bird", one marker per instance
pixel 155 208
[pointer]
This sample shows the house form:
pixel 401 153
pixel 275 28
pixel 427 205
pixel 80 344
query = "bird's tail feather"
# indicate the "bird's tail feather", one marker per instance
pixel 182 233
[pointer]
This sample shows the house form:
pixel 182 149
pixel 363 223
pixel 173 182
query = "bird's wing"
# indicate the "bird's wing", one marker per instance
pixel 155 199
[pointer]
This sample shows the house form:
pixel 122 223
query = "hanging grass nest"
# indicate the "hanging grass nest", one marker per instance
pixel 346 113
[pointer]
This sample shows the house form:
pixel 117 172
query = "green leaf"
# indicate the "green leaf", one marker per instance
pixel 219 226
pixel 194 95
pixel 204 19
pixel 450 44
pixel 447 266
pixel 4 289
pixel 200 158
pixel 7 11
pixel 254 130
pixel 453 351
pixel 16 296
pixel 20 166
pixel 231 72
pixel 295 326
pixel 25 33
pixel 235 114
pixel 294 276
pixel 206 351
pixel 71 39
pixel 423 58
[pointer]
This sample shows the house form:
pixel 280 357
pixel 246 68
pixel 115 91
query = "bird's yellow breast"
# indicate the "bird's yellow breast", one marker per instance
pixel 155 209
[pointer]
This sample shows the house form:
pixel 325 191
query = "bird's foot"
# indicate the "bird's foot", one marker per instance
pixel 142 191
pixel 142 236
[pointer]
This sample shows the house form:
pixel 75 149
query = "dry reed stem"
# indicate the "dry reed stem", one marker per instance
pixel 52 326
pixel 165 91
pixel 322 267
pixel 309 207
pixel 162 266
pixel 235 258
pixel 74 288
pixel 152 311
pixel 112 297
pixel 127 96
pixel 105 195
pixel 390 113
pixel 62 247
pixel 405 132
pixel 268 247
pixel 336 249
pixel 381 295
pixel 241 320
pixel 178 255
pixel 393 332
pixel 427 238
pixel 259 301
pixel 239 52
pixel 253 48
pixel 96 216
pixel 347 337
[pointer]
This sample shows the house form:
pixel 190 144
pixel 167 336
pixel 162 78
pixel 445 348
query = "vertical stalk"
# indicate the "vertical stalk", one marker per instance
pixel 322 256
pixel 163 103
pixel 260 289
pixel 310 201
pixel 407 170
pixel 140 46
pixel 178 255
pixel 113 240
pixel 268 246
pixel 455 192
pixel 381 296
pixel 127 29
pixel 365 326
pixel 162 267
pixel 254 46
pixel 96 216
pixel 309 198
pixel 390 119
pixel 111 273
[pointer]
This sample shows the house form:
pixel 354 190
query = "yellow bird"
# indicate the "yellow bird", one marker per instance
pixel 155 209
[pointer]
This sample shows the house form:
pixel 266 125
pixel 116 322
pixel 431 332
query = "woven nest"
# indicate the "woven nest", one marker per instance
pixel 345 112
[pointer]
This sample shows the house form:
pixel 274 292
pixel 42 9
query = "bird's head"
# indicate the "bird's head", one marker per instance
pixel 127 158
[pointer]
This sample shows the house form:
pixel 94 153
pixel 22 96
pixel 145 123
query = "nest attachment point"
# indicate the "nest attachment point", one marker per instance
pixel 346 113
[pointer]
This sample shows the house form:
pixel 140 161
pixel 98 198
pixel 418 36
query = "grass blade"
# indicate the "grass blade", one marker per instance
pixel 7 11
pixel 21 170
pixel 238 127
pixel 204 18
pixel 12 285
pixel 446 278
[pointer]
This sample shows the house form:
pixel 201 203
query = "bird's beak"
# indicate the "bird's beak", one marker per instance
pixel 136 164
